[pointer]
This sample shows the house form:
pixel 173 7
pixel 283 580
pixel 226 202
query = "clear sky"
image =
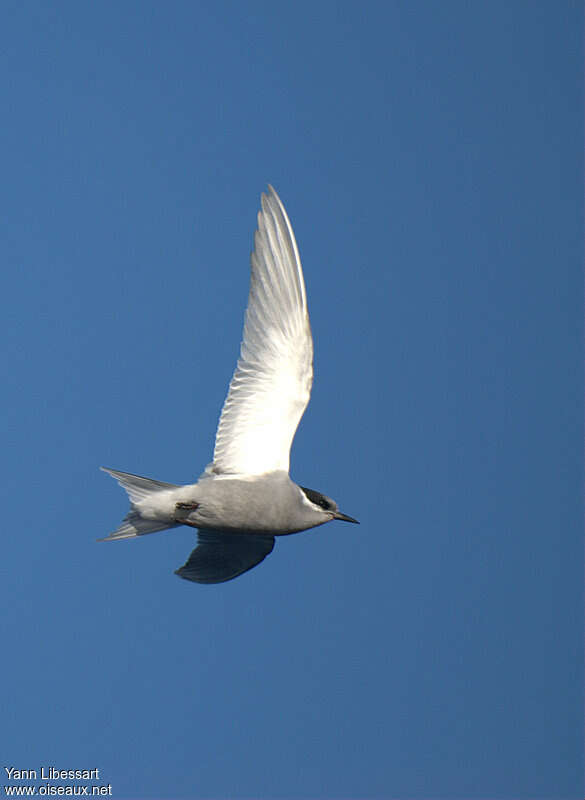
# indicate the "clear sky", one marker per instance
pixel 430 158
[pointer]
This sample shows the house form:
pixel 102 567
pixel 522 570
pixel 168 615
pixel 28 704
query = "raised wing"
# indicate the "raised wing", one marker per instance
pixel 271 386
pixel 221 556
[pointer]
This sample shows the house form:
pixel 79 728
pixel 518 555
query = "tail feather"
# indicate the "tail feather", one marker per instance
pixel 134 525
pixel 137 489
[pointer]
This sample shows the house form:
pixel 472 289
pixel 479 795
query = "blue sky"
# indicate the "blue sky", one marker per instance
pixel 430 158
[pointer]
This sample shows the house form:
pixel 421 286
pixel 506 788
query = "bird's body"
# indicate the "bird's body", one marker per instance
pixel 245 497
pixel 269 503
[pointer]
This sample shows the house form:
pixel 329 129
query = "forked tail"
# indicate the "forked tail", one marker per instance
pixel 138 488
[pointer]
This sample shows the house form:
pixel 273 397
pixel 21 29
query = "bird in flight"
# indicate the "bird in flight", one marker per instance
pixel 245 497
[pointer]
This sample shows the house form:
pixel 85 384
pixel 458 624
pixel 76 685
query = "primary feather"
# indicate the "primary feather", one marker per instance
pixel 271 386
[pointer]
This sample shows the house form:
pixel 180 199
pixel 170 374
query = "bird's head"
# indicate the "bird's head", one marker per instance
pixel 325 505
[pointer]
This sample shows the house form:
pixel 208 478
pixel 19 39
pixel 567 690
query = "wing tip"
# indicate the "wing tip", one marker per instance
pixel 273 193
pixel 270 199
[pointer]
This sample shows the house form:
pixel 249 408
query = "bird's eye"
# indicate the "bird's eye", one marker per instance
pixel 317 498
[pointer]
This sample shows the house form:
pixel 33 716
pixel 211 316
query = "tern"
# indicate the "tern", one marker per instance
pixel 245 497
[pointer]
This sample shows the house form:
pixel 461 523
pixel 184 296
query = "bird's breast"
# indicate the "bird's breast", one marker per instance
pixel 265 505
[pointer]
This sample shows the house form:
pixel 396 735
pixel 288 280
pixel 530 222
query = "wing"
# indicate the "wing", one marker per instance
pixel 222 556
pixel 271 386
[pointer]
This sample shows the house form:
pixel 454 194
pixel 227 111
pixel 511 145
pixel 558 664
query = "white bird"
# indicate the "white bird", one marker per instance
pixel 245 497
